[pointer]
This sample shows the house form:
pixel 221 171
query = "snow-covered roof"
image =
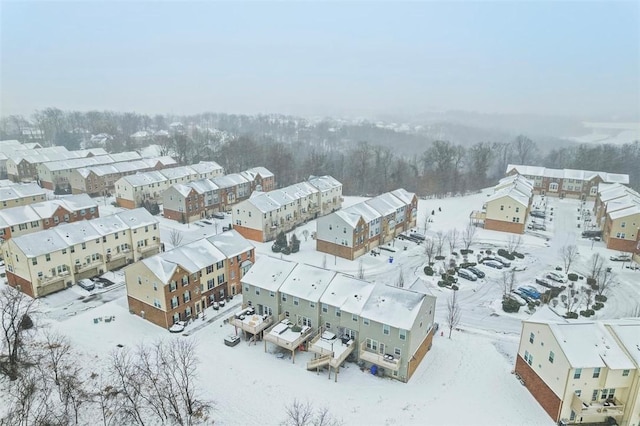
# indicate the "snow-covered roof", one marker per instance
pixel 363 209
pixel 162 268
pixel 269 273
pixel 18 215
pixel 21 191
pixel 510 192
pixel 77 232
pixel 628 333
pixel 39 243
pixel 183 190
pixel 136 218
pixel 253 172
pixel 206 167
pixel 107 225
pixel 347 293
pixel 393 306
pixel 203 185
pixel 299 190
pixel 194 256
pixel 382 205
pixel 146 178
pixel 262 202
pixel 125 156
pixel 403 195
pixel 46 209
pixel 178 172
pixel 324 183
pixel 590 345
pixel 231 243
pixel 76 163
pixel 581 175
pixel 629 211
pixel 350 216
pixel 307 282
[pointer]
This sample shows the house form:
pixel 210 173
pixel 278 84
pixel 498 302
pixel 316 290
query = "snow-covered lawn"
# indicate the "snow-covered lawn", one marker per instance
pixel 465 380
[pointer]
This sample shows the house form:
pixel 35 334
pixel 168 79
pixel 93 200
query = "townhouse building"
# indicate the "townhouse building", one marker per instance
pixel 43 262
pixel 181 283
pixel 100 180
pixel 132 190
pixel 617 213
pixel 198 199
pixel 330 193
pixel 507 209
pixel 16 221
pixel 21 195
pixel 584 372
pixel 58 173
pixel 581 184
pixel 354 231
pixel 23 165
pixel 339 316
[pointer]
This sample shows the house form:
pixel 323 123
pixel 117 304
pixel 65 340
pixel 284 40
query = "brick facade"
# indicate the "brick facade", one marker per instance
pixel 127 204
pixel 25 285
pixel 249 233
pixel 420 353
pixel 151 313
pixel 499 225
pixel 549 401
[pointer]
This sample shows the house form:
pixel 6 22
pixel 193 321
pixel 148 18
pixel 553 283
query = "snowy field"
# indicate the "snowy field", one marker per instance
pixel 453 385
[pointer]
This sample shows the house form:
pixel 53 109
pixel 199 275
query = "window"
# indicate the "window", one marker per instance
pixel 84 246
pixel 596 372
pixel 155 286
pixel 372 345
pixel 578 392
pixel 354 317
pixel 327 325
pixel 551 356
pixel 325 308
pixel 156 303
pixel 403 334
pixel 365 321
pixel 173 286
pixel 185 280
pixel 594 395
pixel 577 373
pixel 625 373
pixel 526 356
pixel 531 338
pixel 338 313
pixel 397 352
pixel 47 257
pixel 312 304
pixel 501 207
pixel 257 291
pixel 272 294
pixel 385 329
pixel 34 261
pixel 174 302
pixel 186 296
pixel 284 297
pixel 211 283
pixel 296 301
pixel 572 416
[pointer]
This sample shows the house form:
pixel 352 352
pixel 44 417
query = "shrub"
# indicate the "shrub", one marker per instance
pixel 428 270
pixel 558 268
pixel 286 250
pixel 506 254
pixel 555 292
pixel 587 313
pixel 467 264
pixel 465 251
pixel 591 281
pixel 600 298
pixel 597 306
pixel 572 277
pixel 518 255
pixel 488 251
pixel 454 287
pixel 571 315
pixel 442 284
pixel 439 257
pixel 510 305
pixel 296 328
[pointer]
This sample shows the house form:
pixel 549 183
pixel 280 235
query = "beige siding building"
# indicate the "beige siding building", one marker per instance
pixel 507 209
pixel 47 261
pixel 21 195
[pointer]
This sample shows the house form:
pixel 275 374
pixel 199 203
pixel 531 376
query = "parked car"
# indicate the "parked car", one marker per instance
pixel 492 264
pixel 556 277
pixel 544 283
pixel 503 261
pixel 478 273
pixel 537 226
pixel 231 340
pixel 218 215
pixel 538 213
pixel 467 274
pixel 591 234
pixel 177 327
pixel 621 258
pixel 515 296
pixel 206 222
pixel 226 228
pixel 530 292
pixel 417 236
pixel 87 284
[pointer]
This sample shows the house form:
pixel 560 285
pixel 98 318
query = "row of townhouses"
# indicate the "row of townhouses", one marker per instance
pixel 198 199
pixel 265 214
pixel 47 261
pixel 337 315
pixel 179 284
pixel 617 213
pixel 132 190
pixel 100 180
pixel 508 207
pixel 21 195
pixel 582 372
pixel 16 221
pixel 9 147
pixel 353 231
pixel 23 165
pixel 58 173
pixel 581 184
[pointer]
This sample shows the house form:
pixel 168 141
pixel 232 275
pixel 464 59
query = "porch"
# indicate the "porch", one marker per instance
pixel 249 322
pixel 611 407
pixel 287 335
pixel 387 361
pixel 332 351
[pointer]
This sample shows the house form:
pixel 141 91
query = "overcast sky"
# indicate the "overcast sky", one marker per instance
pixel 355 58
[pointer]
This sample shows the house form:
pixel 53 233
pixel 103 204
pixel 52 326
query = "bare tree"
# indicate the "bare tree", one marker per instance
pixel 569 254
pixel 453 312
pixel 400 281
pixel 305 234
pixel 597 262
pixel 468 235
pixel 16 309
pixel 588 297
pixel 604 281
pixel 303 414
pixel 361 269
pixel 426 224
pixel 571 299
pixel 175 237
pixel 440 239
pixel 507 281
pixel 513 243
pixel 452 237
pixel 28 401
pixel 524 148
pixel 429 249
pixel 129 387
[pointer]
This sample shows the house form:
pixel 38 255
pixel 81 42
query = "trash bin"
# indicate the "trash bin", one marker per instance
pixel 390 259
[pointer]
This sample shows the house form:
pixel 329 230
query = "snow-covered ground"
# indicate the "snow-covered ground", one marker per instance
pixel 452 385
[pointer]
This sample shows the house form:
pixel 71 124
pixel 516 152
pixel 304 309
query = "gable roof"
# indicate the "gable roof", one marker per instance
pixel 347 293
pixel 393 306
pixel 582 175
pixel 268 273
pixel 307 282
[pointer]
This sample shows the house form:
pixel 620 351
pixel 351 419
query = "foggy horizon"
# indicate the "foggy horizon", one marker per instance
pixel 578 60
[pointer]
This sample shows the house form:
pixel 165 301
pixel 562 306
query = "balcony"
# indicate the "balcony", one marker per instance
pixel 48 279
pixel 84 266
pixel 251 323
pixel 145 249
pixel 382 360
pixel 605 408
